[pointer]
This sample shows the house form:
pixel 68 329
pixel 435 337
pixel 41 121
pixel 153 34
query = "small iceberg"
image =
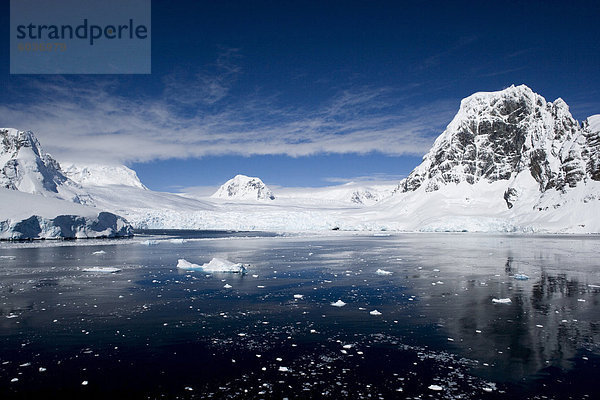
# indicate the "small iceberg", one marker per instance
pixel 215 265
pixel 338 303
pixel 521 277
pixel 374 312
pixel 99 252
pixel 8 257
pixel 104 270
pixel 502 301
pixel 178 241
pixel 383 272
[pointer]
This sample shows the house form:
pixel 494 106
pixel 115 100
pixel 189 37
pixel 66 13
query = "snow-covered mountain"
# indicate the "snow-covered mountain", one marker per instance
pixel 242 187
pixel 506 150
pixel 38 201
pixel 499 135
pixel 101 175
pixel 24 166
pixel 509 161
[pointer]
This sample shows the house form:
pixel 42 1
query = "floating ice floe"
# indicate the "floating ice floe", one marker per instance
pixel 298 296
pixel 374 312
pixel 8 257
pixel 502 301
pixel 521 277
pixel 227 286
pixel 149 242
pixel 383 272
pixel 178 241
pixel 215 265
pixel 437 388
pixel 104 270
pixel 338 303
pixel 99 252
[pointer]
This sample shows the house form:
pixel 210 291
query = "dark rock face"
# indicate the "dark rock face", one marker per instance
pixel 509 196
pixel 496 136
pixel 591 153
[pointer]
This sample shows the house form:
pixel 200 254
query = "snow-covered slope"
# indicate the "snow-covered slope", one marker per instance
pixel 24 166
pixel 348 194
pixel 242 187
pixel 30 216
pixel 101 175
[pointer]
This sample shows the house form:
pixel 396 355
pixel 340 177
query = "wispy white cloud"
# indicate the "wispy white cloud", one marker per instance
pixel 91 120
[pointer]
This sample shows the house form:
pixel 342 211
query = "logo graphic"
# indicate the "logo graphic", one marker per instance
pixel 80 36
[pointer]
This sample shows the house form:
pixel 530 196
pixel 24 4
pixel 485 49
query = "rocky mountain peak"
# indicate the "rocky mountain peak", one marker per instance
pixel 498 135
pixel 24 166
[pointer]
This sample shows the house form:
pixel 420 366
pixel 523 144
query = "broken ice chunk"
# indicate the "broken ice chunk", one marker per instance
pixel 502 301
pixel 374 312
pixel 338 303
pixel 521 277
pixel 383 272
pixel 215 265
pixel 105 270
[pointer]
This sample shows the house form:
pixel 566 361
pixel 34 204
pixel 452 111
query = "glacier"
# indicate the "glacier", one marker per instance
pixel 26 216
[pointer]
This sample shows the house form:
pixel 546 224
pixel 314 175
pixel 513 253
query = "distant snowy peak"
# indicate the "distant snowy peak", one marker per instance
pixel 102 175
pixel 243 187
pixel 368 196
pixel 24 166
pixel 499 135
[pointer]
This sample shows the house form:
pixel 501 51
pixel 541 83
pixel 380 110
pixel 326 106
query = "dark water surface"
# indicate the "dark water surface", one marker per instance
pixel 153 331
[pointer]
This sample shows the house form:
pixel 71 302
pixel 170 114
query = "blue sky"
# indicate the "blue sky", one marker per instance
pixel 304 93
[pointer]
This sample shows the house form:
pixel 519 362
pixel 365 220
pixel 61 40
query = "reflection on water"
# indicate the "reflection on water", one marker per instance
pixel 154 331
